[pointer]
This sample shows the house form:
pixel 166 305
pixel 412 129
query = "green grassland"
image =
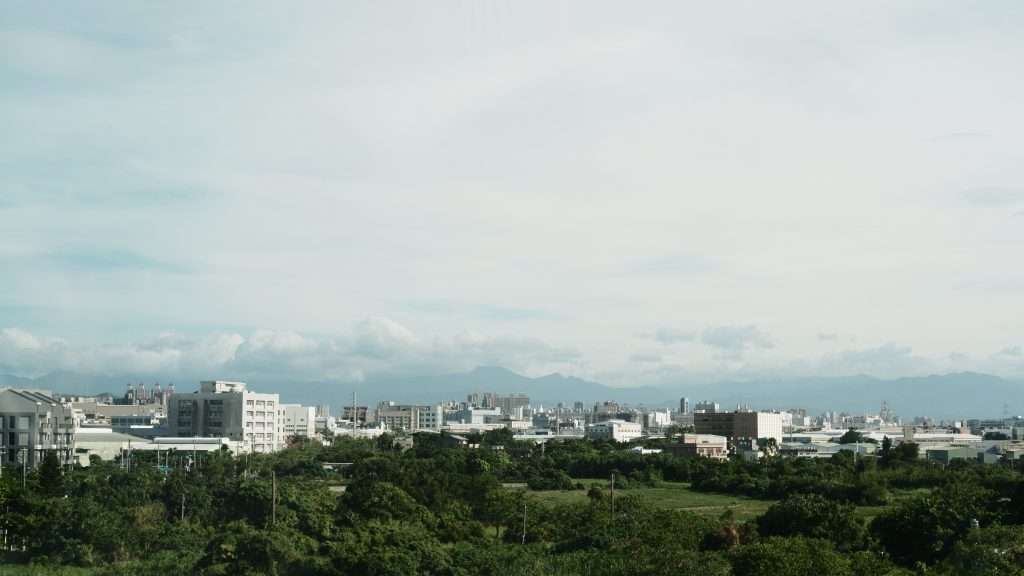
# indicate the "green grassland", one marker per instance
pixel 672 495
pixel 679 496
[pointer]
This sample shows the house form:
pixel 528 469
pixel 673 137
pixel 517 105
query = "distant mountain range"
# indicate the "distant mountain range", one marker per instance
pixel 956 395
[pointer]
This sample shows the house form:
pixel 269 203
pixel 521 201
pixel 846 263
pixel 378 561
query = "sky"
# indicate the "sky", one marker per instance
pixel 633 193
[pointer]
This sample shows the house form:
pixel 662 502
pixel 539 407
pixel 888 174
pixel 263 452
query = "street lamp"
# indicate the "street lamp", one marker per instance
pixel 34 436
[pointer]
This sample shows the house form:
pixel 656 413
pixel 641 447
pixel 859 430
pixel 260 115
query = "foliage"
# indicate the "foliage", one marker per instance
pixel 367 507
pixel 814 516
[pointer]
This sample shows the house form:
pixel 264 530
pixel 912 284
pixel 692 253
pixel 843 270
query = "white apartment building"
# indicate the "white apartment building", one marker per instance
pixel 297 420
pixel 222 409
pixel 618 430
pixel 33 422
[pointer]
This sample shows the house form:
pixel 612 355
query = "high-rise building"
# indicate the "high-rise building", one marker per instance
pixel 360 414
pixel 513 404
pixel 684 405
pixel 222 409
pixel 707 406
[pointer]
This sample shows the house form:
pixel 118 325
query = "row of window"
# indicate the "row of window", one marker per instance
pixel 17 422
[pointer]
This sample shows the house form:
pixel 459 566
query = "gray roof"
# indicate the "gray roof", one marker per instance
pixel 88 437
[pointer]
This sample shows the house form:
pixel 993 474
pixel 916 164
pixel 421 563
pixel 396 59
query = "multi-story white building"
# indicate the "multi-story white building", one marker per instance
pixel 471 415
pixel 736 425
pixel 703 445
pixel 298 420
pixel 618 430
pixel 658 419
pixel 33 422
pixel 221 409
pixel 707 406
pixel 410 417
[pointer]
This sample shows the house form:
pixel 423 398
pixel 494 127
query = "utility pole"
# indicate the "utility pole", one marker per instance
pixel 182 507
pixel 524 523
pixel 613 497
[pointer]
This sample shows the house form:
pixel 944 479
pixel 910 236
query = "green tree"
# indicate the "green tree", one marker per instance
pixel 51 477
pixel 991 551
pixel 925 528
pixel 851 436
pixel 886 451
pixel 814 516
pixel 794 556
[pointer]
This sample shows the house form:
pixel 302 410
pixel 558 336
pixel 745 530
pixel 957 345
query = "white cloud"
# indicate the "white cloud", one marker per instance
pixel 673 335
pixel 733 341
pixel 373 347
pixel 581 179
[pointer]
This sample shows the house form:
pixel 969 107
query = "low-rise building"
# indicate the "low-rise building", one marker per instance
pixel 614 429
pixel 703 446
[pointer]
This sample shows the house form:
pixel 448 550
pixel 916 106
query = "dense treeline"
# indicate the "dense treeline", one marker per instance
pixel 438 509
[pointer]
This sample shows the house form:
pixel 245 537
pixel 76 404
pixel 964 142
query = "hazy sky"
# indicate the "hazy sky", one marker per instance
pixel 631 192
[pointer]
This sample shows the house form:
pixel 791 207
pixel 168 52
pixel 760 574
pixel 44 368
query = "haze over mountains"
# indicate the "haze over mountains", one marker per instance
pixel 957 395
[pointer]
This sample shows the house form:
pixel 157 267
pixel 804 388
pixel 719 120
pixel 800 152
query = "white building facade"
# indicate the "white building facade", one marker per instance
pixel 223 409
pixel 410 417
pixel 618 430
pixel 298 420
pixel 33 422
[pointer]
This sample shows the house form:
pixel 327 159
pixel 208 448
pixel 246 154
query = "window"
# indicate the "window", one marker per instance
pixel 23 423
pixel 249 403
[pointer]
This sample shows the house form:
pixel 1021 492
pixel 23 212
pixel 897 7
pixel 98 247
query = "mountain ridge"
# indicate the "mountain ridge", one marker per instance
pixel 953 395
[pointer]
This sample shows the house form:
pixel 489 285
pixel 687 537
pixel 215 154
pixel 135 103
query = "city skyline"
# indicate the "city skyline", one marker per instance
pixel 633 197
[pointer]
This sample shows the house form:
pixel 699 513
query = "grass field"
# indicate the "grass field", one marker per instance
pixel 672 495
pixel 679 496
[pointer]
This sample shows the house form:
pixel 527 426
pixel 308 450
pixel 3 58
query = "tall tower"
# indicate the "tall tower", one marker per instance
pixel 684 405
